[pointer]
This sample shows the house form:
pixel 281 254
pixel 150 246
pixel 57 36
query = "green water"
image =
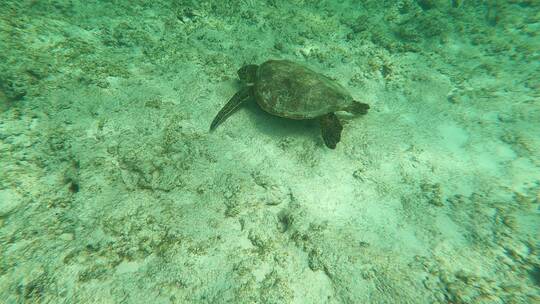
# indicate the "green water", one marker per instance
pixel 113 190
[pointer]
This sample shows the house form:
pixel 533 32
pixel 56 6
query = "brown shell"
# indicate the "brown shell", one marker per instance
pixel 290 90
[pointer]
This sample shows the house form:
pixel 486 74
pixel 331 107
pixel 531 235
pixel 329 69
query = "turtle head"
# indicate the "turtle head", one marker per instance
pixel 248 73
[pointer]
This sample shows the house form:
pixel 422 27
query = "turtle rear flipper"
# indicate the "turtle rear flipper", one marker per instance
pixel 358 108
pixel 331 129
pixel 232 105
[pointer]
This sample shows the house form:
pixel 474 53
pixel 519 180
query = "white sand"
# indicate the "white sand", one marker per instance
pixel 112 190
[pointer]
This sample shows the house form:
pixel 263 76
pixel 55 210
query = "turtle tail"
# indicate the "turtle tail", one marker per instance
pixel 236 101
pixel 358 108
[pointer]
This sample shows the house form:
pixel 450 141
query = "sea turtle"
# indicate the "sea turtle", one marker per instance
pixel 291 90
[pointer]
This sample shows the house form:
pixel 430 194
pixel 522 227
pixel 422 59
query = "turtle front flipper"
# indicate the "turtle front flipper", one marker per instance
pixel 331 129
pixel 238 99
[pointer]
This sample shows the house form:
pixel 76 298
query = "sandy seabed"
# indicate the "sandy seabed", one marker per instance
pixel 112 189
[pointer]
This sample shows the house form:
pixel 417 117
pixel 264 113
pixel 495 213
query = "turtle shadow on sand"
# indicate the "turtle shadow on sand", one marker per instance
pixel 289 90
pixel 279 127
